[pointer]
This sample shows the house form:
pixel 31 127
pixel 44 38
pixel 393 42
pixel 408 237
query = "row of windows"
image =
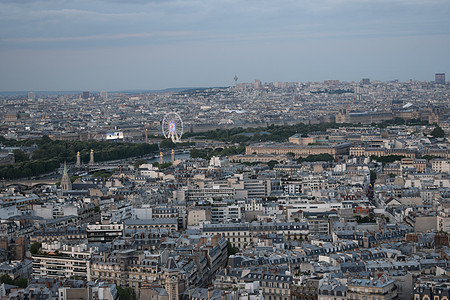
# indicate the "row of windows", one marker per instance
pixel 275 284
pixel 118 275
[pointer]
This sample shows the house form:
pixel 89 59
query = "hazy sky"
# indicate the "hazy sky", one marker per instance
pixel 154 44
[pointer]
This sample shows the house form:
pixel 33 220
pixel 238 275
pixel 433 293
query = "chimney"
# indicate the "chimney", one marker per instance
pixel 210 292
pixel 215 240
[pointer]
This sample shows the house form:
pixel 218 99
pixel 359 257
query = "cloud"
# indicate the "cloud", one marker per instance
pixel 97 37
pixel 183 28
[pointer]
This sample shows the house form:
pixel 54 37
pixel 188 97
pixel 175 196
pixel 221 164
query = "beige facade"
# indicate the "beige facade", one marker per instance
pixel 371 289
pixel 440 165
pixel 419 164
pixel 443 219
pixel 444 153
pixel 367 152
pixel 241 234
pixel 196 216
pixel 125 268
pixel 298 150
pixel 302 140
pixel 257 158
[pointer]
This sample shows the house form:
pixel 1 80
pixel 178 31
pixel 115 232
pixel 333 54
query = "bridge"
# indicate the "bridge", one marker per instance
pixel 30 183
pixel 116 164
pixel 99 166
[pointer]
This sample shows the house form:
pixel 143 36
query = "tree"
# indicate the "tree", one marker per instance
pixel 19 155
pixel 6 279
pixel 50 154
pixel 373 176
pixel 320 157
pixel 167 144
pixel 139 162
pixel 126 293
pixel 102 173
pixel 20 282
pixel 290 155
pixel 165 165
pixel 73 178
pixel 272 164
pixel 231 249
pixel 34 248
pixel 429 157
pixel 438 132
pixel 387 158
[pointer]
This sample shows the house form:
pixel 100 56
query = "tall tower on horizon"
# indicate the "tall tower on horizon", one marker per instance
pixel 439 78
pixel 365 81
pixel 31 96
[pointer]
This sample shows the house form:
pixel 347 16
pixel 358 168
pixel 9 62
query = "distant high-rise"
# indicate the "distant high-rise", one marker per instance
pixel 31 96
pixel 85 95
pixel 439 78
pixel 104 94
pixel 257 84
pixel 365 81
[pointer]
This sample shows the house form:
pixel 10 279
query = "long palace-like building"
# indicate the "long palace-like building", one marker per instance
pixel 299 150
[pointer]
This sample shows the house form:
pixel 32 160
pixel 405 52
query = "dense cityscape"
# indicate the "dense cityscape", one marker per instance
pixel 274 191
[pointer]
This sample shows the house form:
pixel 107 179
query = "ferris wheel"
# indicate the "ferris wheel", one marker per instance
pixel 172 127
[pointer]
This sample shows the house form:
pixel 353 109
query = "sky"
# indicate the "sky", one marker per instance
pixel 155 44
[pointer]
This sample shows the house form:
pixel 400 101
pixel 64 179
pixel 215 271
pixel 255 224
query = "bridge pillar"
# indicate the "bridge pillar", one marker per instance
pixel 78 164
pixel 91 161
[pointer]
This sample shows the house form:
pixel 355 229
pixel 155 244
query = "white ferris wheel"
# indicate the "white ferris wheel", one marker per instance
pixel 172 127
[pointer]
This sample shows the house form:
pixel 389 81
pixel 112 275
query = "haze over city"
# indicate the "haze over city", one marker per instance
pixel 224 149
pixel 116 45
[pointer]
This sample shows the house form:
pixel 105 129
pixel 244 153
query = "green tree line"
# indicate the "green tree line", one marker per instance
pixel 273 133
pixel 207 153
pixel 316 157
pixel 281 133
pixel 20 282
pixel 50 154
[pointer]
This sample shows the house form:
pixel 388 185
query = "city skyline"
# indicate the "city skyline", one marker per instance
pixel 118 45
pixel 98 92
